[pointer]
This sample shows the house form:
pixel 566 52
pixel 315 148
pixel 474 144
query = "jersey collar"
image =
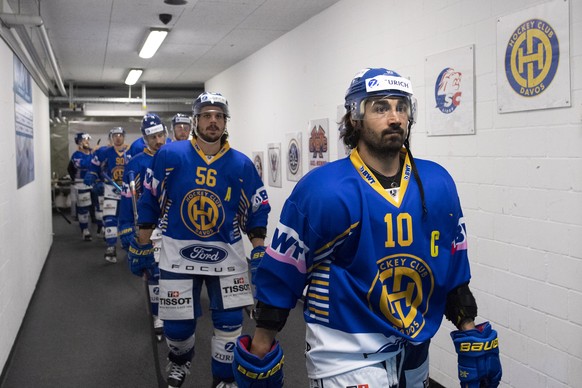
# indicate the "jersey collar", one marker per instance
pixel 214 158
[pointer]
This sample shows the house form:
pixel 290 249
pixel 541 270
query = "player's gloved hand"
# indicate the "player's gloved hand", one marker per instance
pixel 256 256
pixel 252 371
pixel 478 356
pixel 90 179
pixel 126 234
pixel 140 257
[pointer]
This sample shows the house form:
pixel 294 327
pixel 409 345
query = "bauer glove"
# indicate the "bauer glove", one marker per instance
pixel 478 356
pixel 140 257
pixel 126 234
pixel 256 256
pixel 252 371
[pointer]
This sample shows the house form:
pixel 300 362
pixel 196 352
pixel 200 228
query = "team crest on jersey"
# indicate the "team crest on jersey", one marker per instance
pixel 117 173
pixel 401 292
pixel 531 57
pixel 202 212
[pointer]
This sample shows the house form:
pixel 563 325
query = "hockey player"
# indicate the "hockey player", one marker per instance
pixel 379 238
pixel 154 133
pixel 77 168
pixel 208 194
pixel 181 127
pixel 109 164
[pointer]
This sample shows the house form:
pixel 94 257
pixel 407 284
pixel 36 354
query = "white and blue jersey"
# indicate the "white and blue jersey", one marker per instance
pixel 110 162
pixel 205 204
pixel 377 269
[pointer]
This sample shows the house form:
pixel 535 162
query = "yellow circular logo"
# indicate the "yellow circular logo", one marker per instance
pixel 401 292
pixel 202 212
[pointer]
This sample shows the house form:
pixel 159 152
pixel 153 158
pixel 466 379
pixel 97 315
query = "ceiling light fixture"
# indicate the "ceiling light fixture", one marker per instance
pixel 153 42
pixel 133 76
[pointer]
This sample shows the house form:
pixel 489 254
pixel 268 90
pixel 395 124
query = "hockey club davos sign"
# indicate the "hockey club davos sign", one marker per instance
pixel 533 50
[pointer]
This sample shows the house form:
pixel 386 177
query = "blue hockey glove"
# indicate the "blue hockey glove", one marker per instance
pixel 478 356
pixel 256 256
pixel 252 371
pixel 140 257
pixel 90 179
pixel 126 234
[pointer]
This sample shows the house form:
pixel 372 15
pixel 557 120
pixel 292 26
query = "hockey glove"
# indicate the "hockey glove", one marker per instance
pixel 478 356
pixel 140 257
pixel 90 179
pixel 256 256
pixel 126 234
pixel 252 371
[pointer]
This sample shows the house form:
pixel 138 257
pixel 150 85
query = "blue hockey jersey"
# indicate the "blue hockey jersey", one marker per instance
pixel 377 269
pixel 109 162
pixel 79 165
pixel 137 166
pixel 205 204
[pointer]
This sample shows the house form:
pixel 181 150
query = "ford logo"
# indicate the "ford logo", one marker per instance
pixel 203 254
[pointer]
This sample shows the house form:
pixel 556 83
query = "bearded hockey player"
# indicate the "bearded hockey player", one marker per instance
pixel 208 195
pixel 379 238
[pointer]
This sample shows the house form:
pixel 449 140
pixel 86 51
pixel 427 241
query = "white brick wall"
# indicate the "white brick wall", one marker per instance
pixel 519 176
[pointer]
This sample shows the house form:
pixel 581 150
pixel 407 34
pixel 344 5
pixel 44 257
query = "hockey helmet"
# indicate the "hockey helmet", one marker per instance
pixel 116 130
pixel 371 82
pixel 151 123
pixel 81 136
pixel 210 99
pixel 181 118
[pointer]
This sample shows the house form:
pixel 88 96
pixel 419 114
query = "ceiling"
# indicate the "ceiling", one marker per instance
pixel 96 42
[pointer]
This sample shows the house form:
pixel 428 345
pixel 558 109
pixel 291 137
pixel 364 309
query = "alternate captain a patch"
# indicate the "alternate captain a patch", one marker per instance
pixel 531 57
pixel 202 212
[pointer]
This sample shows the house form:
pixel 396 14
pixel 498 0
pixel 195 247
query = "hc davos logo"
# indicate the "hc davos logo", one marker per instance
pixel 531 57
pixel 447 90
pixel 203 254
pixel 401 292
pixel 293 156
pixel 202 212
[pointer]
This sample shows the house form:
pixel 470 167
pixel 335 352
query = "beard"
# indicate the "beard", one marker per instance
pixel 211 134
pixel 388 142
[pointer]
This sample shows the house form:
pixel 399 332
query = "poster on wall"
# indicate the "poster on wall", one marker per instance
pixel 533 58
pixel 294 156
pixel 258 161
pixel 318 132
pixel 274 162
pixel 450 92
pixel 342 150
pixel 23 124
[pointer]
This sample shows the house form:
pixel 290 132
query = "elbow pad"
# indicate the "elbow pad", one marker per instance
pixel 269 317
pixel 461 305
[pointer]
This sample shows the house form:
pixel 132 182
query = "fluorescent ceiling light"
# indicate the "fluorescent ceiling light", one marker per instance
pixel 153 42
pixel 133 76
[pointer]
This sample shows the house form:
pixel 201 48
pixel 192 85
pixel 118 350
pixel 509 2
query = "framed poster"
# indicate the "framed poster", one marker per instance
pixel 533 58
pixel 294 156
pixel 274 163
pixel 318 134
pixel 258 161
pixel 450 92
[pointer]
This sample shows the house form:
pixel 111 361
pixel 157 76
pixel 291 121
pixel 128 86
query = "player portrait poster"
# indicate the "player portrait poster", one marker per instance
pixel 318 134
pixel 23 124
pixel 259 162
pixel 294 156
pixel 343 151
pixel 533 58
pixel 450 92
pixel 274 164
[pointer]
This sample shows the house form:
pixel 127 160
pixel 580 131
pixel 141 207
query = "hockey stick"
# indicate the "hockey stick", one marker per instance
pixel 153 336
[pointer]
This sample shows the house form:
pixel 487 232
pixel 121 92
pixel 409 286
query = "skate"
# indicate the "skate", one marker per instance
pixel 111 255
pixel 87 235
pixel 177 374
pixel 158 328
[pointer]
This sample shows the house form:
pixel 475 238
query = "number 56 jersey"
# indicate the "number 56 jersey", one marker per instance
pixel 377 267
pixel 204 205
